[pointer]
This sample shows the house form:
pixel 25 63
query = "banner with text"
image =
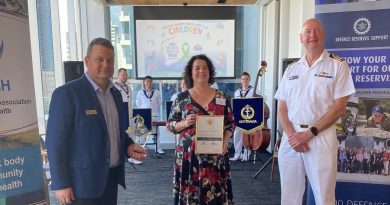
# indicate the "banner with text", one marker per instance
pixel 248 114
pixel 21 173
pixel 358 31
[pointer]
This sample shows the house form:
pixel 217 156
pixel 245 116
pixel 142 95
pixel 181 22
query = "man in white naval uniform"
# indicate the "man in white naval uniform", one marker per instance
pixel 148 97
pixel 243 92
pixel 312 95
pixel 126 92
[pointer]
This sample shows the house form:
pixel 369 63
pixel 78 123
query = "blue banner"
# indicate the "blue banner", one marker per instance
pixel 248 114
pixel 19 171
pixel 362 194
pixel 145 115
pixel 356 29
pixel 370 67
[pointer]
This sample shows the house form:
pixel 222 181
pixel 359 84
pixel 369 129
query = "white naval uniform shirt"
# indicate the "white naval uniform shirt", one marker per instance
pixel 127 94
pixel 125 91
pixel 309 92
pixel 150 100
pixel 244 93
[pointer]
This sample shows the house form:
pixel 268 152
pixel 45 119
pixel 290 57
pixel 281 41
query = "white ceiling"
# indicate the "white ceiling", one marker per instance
pixel 180 2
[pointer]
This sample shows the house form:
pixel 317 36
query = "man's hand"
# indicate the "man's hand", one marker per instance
pixel 65 196
pixel 136 151
pixel 298 140
pixel 302 148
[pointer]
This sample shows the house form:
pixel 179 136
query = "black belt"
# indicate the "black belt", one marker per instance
pixel 304 126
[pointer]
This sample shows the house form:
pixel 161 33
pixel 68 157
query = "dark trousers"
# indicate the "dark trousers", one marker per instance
pixel 110 193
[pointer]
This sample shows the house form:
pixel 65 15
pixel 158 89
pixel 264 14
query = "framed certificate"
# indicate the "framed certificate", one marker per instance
pixel 209 134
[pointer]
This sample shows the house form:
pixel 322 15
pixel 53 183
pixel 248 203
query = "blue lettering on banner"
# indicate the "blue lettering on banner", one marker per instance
pixel 362 194
pixel 369 68
pixel 352 202
pixel 1 48
pixel 5 85
pixel 356 29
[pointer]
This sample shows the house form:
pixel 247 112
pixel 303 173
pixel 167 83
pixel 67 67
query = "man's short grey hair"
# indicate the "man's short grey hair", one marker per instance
pixel 100 41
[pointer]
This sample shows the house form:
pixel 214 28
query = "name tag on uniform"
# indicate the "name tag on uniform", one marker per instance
pixel 294 77
pixel 220 101
pixel 90 112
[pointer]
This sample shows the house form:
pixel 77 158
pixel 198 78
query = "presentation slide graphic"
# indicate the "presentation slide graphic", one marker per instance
pixel 165 46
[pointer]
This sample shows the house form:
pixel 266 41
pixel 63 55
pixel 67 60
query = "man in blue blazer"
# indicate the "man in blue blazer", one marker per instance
pixel 86 140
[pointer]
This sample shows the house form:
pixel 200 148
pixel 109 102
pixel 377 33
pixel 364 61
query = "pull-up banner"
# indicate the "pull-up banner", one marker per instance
pixel 358 31
pixel 21 174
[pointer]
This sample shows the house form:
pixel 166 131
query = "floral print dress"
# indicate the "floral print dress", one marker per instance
pixel 205 178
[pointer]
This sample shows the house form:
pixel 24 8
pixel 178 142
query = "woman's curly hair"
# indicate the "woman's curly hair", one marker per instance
pixel 187 74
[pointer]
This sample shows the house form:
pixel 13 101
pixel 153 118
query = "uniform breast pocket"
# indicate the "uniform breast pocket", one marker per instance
pixel 295 88
pixel 321 88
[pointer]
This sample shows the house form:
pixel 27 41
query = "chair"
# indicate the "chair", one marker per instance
pixel 275 154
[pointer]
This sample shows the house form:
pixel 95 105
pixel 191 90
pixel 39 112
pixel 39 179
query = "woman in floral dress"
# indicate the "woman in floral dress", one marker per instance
pixel 203 178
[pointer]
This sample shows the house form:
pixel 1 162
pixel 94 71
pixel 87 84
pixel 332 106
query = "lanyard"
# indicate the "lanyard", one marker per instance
pixel 246 92
pixel 124 87
pixel 146 94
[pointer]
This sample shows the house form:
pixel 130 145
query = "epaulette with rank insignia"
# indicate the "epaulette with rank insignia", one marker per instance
pixel 336 57
pixel 292 62
pixel 289 61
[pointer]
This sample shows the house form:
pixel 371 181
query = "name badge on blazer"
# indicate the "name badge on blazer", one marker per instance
pixel 90 112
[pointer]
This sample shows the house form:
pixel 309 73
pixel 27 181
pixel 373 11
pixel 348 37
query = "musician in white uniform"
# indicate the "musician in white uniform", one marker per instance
pixel 244 91
pixel 312 95
pixel 126 92
pixel 149 97
pixel 183 88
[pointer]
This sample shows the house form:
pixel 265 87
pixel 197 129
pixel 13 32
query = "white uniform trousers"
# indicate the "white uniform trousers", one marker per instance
pixel 319 164
pixel 237 137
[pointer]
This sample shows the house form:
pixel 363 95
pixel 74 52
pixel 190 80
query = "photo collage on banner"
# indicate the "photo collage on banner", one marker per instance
pixel 358 31
pixel 21 173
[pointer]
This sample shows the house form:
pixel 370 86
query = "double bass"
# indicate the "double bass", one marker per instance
pixel 259 139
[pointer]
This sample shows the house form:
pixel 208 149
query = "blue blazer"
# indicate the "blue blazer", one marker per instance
pixel 77 139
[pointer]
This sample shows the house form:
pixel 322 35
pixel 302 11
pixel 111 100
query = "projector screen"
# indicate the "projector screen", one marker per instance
pixel 163 47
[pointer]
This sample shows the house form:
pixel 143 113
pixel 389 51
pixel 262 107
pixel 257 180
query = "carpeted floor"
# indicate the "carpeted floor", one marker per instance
pixel 151 182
